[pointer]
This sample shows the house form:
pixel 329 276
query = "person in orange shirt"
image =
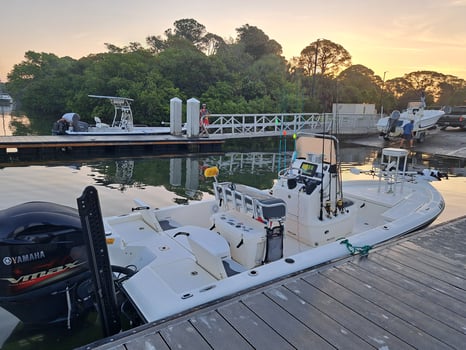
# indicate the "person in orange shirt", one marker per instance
pixel 203 120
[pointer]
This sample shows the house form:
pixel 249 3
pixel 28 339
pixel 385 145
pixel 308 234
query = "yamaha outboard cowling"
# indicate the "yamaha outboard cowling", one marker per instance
pixel 44 275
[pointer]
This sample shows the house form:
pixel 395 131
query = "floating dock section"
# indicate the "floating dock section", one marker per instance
pixel 38 147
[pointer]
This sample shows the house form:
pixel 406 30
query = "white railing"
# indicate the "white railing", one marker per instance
pixel 354 123
pixel 241 125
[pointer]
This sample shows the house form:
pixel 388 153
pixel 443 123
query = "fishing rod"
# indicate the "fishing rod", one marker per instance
pixel 321 215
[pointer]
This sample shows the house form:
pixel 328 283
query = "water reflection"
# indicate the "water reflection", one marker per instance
pixel 12 124
pixel 53 338
pixel 15 123
pixel 175 180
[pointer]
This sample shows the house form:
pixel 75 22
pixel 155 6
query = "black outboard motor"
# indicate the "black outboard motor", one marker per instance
pixel 393 121
pixel 391 124
pixel 44 276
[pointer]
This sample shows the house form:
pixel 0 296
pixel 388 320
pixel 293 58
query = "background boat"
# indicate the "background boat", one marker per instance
pixel 5 99
pixel 424 119
pixel 122 123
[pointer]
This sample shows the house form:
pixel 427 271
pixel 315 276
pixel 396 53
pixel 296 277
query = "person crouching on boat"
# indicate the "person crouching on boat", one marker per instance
pixel 203 121
pixel 408 134
pixel 60 127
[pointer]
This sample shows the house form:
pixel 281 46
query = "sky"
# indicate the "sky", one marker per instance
pixel 390 37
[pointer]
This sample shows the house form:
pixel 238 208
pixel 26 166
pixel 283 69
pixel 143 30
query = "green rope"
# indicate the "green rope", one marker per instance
pixel 364 250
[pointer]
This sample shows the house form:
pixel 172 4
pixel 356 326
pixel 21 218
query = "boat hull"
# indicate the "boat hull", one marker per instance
pixel 109 131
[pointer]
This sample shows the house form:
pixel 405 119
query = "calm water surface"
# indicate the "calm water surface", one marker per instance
pixel 162 181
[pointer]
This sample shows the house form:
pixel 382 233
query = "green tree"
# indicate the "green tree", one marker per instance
pixel 324 57
pixel 42 82
pixel 188 69
pixel 256 43
pixel 211 43
pixel 453 91
pixel 270 73
pixel 133 75
pixel 156 44
pixel 234 58
pixel 427 81
pixel 359 84
pixel 188 29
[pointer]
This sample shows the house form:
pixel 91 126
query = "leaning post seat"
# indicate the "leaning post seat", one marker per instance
pixel 252 223
pixel 248 200
pixel 270 209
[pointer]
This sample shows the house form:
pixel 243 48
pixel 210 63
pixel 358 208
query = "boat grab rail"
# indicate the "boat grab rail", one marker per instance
pixel 245 199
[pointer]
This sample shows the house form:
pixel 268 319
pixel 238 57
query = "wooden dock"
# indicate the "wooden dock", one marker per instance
pixel 47 146
pixel 407 294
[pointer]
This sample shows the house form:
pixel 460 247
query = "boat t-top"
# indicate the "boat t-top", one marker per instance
pixel 122 123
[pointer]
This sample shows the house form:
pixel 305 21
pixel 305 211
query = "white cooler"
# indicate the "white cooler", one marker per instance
pixel 246 237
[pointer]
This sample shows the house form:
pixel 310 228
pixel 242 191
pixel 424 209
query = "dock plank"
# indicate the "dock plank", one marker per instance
pixel 430 270
pixel 252 328
pixel 447 244
pixel 426 252
pixel 382 327
pixel 447 239
pixel 183 335
pixel 149 341
pixel 430 324
pixel 336 334
pixel 418 276
pixel 218 332
pixel 344 313
pixel 423 291
pixel 284 323
pixel 431 262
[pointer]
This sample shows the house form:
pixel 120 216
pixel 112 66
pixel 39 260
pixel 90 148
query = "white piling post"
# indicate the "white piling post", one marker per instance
pixel 192 117
pixel 175 116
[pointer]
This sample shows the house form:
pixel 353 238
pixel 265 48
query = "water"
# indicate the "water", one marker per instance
pixel 162 181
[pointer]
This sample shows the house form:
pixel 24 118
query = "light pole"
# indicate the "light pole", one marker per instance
pixel 381 94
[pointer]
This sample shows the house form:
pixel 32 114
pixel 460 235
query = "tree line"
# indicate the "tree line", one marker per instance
pixel 247 74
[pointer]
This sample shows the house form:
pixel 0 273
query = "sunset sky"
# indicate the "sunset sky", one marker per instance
pixel 393 36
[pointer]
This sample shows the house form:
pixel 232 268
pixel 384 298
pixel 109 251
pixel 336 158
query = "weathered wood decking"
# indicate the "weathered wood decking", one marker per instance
pixel 409 294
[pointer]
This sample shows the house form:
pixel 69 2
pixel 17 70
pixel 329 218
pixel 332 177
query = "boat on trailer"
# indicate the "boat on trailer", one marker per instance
pixel 182 257
pixel 122 123
pixel 424 119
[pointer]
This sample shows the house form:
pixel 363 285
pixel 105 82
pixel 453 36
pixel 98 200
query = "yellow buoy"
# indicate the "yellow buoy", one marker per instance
pixel 211 172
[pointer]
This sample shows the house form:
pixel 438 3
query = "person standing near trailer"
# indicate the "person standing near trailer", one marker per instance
pixel 408 134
